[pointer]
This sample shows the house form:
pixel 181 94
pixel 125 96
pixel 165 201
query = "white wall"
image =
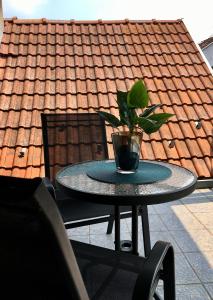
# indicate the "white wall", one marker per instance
pixel 208 52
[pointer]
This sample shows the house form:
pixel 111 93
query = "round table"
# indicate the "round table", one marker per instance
pixel 74 181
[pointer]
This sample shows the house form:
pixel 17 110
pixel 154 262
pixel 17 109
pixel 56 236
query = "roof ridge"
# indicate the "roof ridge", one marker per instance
pixel 72 21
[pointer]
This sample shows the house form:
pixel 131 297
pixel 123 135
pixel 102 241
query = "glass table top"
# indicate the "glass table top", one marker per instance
pixel 178 185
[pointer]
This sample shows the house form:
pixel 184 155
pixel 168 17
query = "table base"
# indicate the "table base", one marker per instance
pixel 132 246
pixel 126 246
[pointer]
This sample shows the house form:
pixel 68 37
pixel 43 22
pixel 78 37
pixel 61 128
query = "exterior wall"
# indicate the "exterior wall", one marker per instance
pixel 208 52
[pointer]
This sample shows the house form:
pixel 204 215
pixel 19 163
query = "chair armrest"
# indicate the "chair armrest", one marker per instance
pixel 49 186
pixel 158 265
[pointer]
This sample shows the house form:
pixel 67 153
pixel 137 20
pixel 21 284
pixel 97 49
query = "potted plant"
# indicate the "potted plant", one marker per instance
pixel 127 144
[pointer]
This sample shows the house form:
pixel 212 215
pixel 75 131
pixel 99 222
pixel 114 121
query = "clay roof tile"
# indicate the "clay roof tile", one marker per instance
pixel 69 66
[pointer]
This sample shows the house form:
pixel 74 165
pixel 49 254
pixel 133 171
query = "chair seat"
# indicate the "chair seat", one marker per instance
pixel 73 209
pixel 107 274
pixel 37 260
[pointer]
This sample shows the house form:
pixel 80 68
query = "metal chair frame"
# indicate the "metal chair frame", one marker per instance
pixel 63 119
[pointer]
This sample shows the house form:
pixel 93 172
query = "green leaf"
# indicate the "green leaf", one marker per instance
pixel 150 110
pixel 149 126
pixel 122 99
pixel 138 97
pixel 122 106
pixel 133 116
pixel 162 117
pixel 111 119
pixel 128 115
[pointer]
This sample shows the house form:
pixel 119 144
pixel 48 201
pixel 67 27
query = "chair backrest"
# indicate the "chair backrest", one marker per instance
pixel 72 138
pixel 36 257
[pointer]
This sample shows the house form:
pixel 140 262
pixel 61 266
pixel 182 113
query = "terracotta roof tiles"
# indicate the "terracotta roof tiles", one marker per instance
pixel 77 66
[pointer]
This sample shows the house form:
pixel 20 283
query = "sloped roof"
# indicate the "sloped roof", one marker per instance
pixel 77 66
pixel 206 42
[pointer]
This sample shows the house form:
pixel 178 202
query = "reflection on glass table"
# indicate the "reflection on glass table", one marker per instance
pixel 155 182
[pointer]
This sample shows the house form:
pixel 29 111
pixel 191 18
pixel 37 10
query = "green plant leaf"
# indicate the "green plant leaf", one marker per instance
pixel 150 110
pixel 138 97
pixel 128 116
pixel 122 99
pixel 128 102
pixel 122 106
pixel 111 119
pixel 149 126
pixel 162 117
pixel 133 116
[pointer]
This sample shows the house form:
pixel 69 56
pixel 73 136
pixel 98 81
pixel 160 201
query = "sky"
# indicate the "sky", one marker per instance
pixel 197 15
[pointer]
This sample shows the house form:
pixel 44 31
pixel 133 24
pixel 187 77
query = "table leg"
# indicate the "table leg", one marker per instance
pixel 145 228
pixel 117 228
pixel 135 229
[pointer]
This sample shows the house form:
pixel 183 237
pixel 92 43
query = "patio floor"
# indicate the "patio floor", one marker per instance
pixel 188 225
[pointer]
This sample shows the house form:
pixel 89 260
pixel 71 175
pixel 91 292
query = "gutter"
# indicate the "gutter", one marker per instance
pixel 206 46
pixel 204 58
pixel 199 49
pixel 204 183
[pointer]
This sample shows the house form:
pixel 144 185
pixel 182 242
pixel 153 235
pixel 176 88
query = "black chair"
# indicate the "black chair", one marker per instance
pixel 37 261
pixel 68 139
